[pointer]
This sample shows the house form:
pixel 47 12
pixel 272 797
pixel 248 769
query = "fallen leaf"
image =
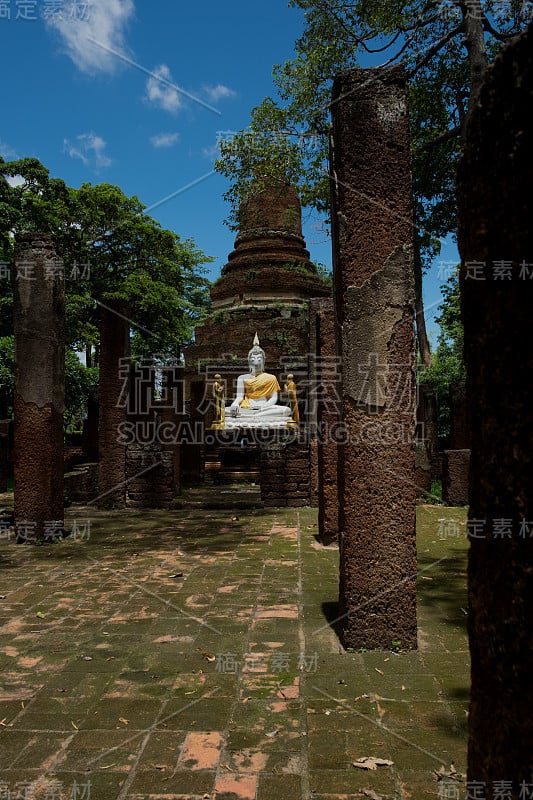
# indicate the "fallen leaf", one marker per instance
pixel 209 657
pixel 379 670
pixel 371 793
pixel 176 575
pixel 369 762
pixel 108 766
pixel 74 726
pixel 273 733
pixel 124 721
pixel 87 658
pixel 40 615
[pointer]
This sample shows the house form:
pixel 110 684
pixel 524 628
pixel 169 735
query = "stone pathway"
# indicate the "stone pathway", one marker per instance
pixel 190 654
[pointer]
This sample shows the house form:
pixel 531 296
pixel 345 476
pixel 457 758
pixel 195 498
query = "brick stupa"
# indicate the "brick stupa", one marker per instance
pixel 265 288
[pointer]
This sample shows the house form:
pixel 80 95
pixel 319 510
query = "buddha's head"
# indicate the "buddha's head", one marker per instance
pixel 256 358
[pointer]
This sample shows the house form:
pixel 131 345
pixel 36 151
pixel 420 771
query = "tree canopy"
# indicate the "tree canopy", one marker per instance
pixel 111 250
pixel 445 48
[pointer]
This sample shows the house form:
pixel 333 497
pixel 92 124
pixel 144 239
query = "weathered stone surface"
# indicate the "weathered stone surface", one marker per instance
pixel 264 288
pixel 150 476
pixel 495 213
pixel 422 469
pixel 427 426
pixel 460 426
pixel 39 313
pixel 193 451
pixel 4 460
pixel 81 484
pixel 285 475
pixel 325 400
pixel 455 472
pixel 374 297
pixel 114 350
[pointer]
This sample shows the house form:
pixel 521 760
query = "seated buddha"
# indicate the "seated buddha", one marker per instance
pixel 256 402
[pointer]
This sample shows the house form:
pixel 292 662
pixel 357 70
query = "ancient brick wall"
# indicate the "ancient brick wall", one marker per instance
pixel 285 475
pixel 81 483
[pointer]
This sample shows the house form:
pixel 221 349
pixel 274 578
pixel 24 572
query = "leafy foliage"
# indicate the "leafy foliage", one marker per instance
pixel 445 48
pixel 111 249
pixel 7 370
pixel 447 365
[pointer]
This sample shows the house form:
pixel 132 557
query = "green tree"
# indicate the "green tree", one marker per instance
pixel 447 365
pixel 445 48
pixel 112 250
pixel 119 252
pixel 7 376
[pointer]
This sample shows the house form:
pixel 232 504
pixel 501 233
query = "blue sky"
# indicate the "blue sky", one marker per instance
pixel 111 112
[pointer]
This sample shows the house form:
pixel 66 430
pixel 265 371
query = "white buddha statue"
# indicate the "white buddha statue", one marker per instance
pixel 256 403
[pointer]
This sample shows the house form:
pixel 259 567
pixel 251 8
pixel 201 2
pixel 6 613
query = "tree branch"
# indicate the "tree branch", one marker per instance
pixel 434 49
pixel 442 137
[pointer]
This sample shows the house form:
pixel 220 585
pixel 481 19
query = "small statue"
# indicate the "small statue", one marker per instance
pixel 290 388
pixel 218 394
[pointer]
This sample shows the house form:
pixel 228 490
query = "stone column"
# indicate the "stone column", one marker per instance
pixel 39 319
pixel 496 246
pixel 374 297
pixel 428 426
pixel 4 454
pixel 326 395
pixel 460 424
pixel 193 451
pixel 114 350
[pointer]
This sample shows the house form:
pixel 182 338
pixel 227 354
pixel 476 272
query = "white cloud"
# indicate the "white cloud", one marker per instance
pixel 219 92
pixel 90 149
pixel 6 151
pixel 102 21
pixel 165 139
pixel 211 152
pixel 16 180
pixel 161 91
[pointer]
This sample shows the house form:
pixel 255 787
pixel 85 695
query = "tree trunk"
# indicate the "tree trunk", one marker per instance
pixel 88 355
pixel 475 44
pixel 421 332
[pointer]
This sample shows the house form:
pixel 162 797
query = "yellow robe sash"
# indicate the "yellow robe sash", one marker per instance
pixel 263 385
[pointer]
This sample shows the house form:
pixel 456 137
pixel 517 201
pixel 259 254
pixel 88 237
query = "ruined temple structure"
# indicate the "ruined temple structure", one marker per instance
pixel 264 288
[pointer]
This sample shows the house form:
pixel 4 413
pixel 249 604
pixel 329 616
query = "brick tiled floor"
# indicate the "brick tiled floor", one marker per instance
pixel 188 654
